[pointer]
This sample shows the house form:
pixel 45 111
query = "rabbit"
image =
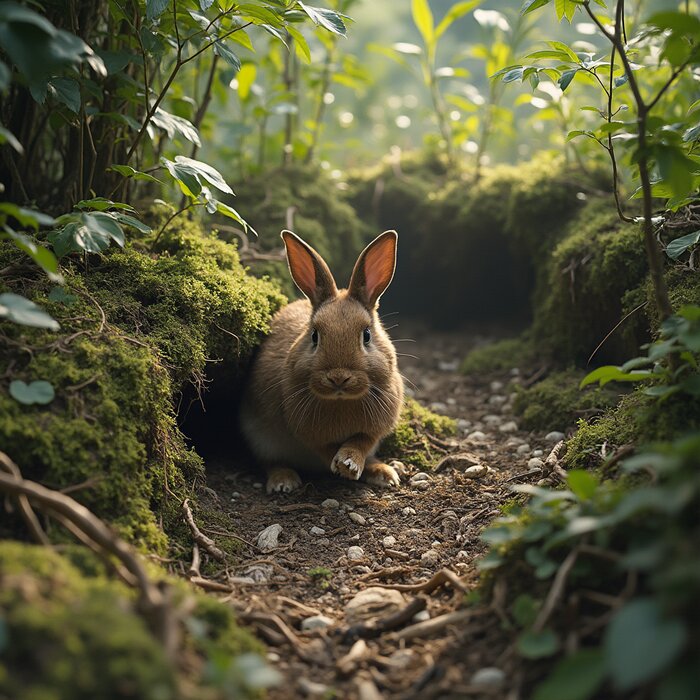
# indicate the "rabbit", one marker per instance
pixel 325 387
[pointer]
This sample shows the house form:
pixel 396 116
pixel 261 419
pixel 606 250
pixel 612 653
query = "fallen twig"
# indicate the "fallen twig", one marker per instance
pixel 556 591
pixel 270 619
pixel 440 578
pixel 377 627
pixel 199 537
pixel 194 566
pixel 425 629
pixel 348 663
pixel 551 464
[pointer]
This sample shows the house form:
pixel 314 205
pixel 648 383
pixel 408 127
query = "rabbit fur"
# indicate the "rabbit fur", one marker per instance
pixel 325 388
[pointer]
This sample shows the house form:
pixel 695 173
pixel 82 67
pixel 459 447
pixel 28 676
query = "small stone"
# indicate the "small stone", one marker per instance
pixel 434 544
pixel 323 541
pixel 421 476
pixel 430 558
pixel 514 372
pixel 389 541
pixel 554 436
pixel 268 539
pixel 354 538
pixel 510 427
pixel 496 386
pixel 523 449
pixel 403 658
pixel 388 561
pixel 476 472
pixel 463 425
pixel 421 485
pixel 317 531
pixel 438 407
pixel 312 689
pixel 357 518
pixel 273 656
pixel 330 503
pixel 409 511
pixel 451 401
pixel 497 399
pixel 421 616
pixel 373 602
pixel 317 622
pixel 356 553
pixel 492 419
pixel 476 436
pixel 449 366
pixel 257 485
pixel 462 555
pixel 535 463
pixel 258 573
pixel 537 453
pixel 489 677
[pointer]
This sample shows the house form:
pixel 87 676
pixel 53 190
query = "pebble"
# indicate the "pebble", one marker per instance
pixel 476 436
pixel 421 476
pixel 323 541
pixel 373 602
pixel 438 407
pixel 535 463
pixel 497 399
pixel 430 558
pixel 538 453
pixel 409 511
pixel 356 553
pixel 273 656
pixel 317 531
pixel 317 622
pixel 259 573
pixel 235 495
pixel 402 658
pixel 496 386
pixel 476 472
pixel 463 555
pixel 312 689
pixel 492 419
pixel 421 485
pixel 450 366
pixel 257 485
pixel 554 436
pixel 510 427
pixel 523 449
pixel 488 677
pixel 463 425
pixel 389 541
pixel 515 371
pixel 268 539
pixel 354 538
pixel 421 616
pixel 330 503
pixel 451 401
pixel 357 518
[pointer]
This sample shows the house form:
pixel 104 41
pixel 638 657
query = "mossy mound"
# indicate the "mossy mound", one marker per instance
pixel 557 403
pixel 309 202
pixel 66 631
pixel 468 250
pixel 137 329
pixel 500 356
pixel 410 442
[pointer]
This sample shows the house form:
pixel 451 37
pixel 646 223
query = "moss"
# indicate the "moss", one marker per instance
pixel 499 356
pixel 71 636
pixel 636 419
pixel 409 440
pixel 143 327
pixel 66 631
pixel 556 403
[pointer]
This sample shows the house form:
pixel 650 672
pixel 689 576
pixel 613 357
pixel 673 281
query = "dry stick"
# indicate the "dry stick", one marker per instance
pixel 153 601
pixel 551 464
pixel 276 621
pixel 556 591
pixel 194 566
pixel 425 629
pixel 615 327
pixel 199 537
pixel 440 578
pixel 377 627
pixel 25 508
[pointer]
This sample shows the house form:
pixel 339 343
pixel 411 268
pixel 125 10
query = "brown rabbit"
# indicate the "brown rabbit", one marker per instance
pixel 325 387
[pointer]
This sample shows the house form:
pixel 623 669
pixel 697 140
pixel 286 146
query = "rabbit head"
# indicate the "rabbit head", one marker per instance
pixel 344 353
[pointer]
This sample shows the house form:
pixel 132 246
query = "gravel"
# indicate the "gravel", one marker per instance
pixel 268 539
pixel 317 622
pixel 356 553
pixel 330 503
pixel 318 531
pixel 357 518
pixel 554 436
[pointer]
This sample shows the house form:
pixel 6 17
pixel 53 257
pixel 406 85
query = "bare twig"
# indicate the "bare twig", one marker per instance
pixel 556 591
pixel 377 627
pixel 200 538
pixel 37 532
pixel 440 578
pixel 429 627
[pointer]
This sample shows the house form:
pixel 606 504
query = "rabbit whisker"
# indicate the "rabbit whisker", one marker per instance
pixel 406 354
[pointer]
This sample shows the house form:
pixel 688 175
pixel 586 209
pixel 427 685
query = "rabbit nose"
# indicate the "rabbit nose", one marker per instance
pixel 338 377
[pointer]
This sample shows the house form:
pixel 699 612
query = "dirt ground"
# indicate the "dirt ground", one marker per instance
pixel 340 538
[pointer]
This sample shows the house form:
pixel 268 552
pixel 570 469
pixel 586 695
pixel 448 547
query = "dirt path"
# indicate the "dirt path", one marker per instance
pixel 338 539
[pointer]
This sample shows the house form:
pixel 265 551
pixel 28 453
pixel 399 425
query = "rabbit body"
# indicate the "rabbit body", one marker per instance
pixel 325 388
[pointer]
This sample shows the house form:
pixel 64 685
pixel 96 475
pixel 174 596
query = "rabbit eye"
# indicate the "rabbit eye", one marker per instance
pixel 366 336
pixel 314 337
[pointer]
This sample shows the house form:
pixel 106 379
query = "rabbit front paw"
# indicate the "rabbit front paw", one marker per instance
pixel 282 480
pixel 380 474
pixel 349 463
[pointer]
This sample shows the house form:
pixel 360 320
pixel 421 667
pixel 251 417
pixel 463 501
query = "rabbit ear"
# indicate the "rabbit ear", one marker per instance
pixel 374 269
pixel 309 271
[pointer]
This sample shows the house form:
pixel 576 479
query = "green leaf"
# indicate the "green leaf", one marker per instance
pixel 211 175
pixel 423 19
pixel 459 9
pixel 577 677
pixel 222 50
pixel 231 213
pixel 246 78
pixel 25 312
pixel 39 391
pixel 582 483
pixel 677 22
pixel 328 19
pixel 67 92
pixel 566 77
pixel 491 561
pixel 525 609
pixel 532 5
pixel 172 124
pixel 675 168
pixel 560 46
pixel 565 8
pixel 27 217
pixel 133 222
pixel 128 171
pixel 678 246
pixel 6 136
pixel 102 204
pixel 60 296
pixel 640 643
pixel 155 8
pixel 498 534
pixel 302 46
pixel 89 231
pixel 537 645
pixel 40 255
pixel 610 373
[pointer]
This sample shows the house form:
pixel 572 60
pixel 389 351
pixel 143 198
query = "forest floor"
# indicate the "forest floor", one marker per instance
pixel 339 539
